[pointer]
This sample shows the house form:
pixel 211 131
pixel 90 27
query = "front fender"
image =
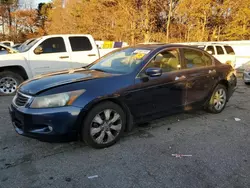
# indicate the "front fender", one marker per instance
pixel 114 99
pixel 15 60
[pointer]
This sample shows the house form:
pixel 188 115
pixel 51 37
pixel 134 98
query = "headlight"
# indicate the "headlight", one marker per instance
pixel 56 100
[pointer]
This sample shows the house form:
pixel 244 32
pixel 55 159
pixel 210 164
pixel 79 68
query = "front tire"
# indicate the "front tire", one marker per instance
pixel 9 82
pixel 103 125
pixel 218 100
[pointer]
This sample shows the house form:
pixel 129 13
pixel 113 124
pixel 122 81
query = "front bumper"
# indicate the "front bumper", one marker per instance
pixel 45 123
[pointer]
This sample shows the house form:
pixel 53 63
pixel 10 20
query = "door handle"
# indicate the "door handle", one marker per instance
pixel 63 57
pixel 180 77
pixel 91 54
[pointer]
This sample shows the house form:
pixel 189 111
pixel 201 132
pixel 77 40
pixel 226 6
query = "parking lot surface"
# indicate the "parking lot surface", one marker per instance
pixel 218 145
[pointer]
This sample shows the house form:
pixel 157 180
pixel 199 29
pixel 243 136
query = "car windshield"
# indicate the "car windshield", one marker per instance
pixel 26 47
pixel 123 61
pixel 4 49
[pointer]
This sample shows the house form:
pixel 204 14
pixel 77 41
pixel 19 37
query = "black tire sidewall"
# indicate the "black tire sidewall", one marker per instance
pixel 85 130
pixel 211 107
pixel 13 75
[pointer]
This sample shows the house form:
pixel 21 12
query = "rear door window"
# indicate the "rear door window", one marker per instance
pixel 194 58
pixel 207 59
pixel 219 50
pixel 80 44
pixel 229 50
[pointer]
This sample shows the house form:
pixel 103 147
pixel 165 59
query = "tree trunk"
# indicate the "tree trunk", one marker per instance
pixel 147 19
pixel 10 20
pixel 146 37
pixel 169 19
pixel 133 33
pixel 218 37
pixel 3 26
pixel 204 27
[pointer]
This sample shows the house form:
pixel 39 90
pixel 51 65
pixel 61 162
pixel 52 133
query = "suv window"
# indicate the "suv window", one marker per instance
pixel 53 45
pixel 229 50
pixel 167 60
pixel 211 48
pixel 80 44
pixel 219 50
pixel 193 58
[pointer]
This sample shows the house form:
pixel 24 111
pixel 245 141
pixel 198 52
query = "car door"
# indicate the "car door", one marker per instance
pixel 83 51
pixel 200 74
pixel 49 56
pixel 152 95
pixel 221 54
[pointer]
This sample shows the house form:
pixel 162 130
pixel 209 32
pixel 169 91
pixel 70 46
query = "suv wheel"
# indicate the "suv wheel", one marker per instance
pixel 104 125
pixel 218 99
pixel 9 82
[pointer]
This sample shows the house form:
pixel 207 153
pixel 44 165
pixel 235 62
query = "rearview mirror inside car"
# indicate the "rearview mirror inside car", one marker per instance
pixel 153 72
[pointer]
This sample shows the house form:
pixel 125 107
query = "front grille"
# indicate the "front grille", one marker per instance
pixel 21 100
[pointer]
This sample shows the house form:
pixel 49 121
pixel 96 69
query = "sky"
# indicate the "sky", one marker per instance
pixel 41 1
pixel 32 3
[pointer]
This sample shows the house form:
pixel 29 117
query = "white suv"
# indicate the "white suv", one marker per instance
pixel 224 53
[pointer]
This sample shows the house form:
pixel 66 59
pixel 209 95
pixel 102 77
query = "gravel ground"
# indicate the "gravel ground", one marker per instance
pixel 219 146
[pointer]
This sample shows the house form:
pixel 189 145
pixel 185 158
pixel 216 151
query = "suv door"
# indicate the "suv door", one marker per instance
pixel 152 95
pixel 83 52
pixel 201 75
pixel 221 54
pixel 49 56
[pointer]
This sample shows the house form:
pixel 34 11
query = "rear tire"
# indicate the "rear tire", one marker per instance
pixel 104 125
pixel 218 100
pixel 9 81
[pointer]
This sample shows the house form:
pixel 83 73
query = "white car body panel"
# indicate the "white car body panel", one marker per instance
pixel 36 64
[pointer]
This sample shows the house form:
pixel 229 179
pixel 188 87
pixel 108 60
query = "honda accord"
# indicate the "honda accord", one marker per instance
pixel 128 86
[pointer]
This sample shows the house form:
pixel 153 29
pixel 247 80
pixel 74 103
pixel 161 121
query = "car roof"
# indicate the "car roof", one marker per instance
pixel 160 46
pixel 66 35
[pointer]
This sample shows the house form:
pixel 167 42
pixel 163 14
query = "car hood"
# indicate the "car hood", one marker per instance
pixel 47 81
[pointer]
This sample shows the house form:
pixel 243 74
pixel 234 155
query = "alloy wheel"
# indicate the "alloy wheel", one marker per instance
pixel 106 126
pixel 8 85
pixel 219 99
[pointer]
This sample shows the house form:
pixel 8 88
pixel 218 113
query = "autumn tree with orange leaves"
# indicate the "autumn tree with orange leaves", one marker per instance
pixel 137 21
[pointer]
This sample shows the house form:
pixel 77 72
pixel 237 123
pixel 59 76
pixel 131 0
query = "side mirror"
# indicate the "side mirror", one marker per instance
pixel 38 50
pixel 153 72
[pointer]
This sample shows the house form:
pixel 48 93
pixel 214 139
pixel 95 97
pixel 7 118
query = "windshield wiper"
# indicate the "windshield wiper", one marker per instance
pixel 99 70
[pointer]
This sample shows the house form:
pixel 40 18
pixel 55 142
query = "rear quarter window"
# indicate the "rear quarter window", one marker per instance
pixel 229 50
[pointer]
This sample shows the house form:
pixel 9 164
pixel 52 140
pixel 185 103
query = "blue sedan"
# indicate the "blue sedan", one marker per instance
pixel 129 86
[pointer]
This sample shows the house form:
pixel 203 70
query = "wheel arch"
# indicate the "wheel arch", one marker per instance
pixel 223 82
pixel 16 69
pixel 129 117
